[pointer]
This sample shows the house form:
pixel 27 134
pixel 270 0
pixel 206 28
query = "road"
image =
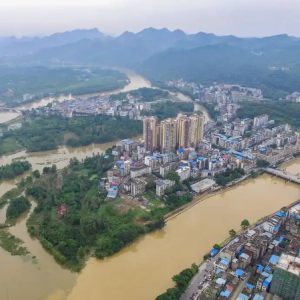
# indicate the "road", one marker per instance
pixel 199 277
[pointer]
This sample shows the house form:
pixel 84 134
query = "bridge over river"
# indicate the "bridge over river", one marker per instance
pixel 11 109
pixel 283 174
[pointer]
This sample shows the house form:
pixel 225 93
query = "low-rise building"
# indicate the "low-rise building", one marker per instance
pixel 139 171
pixel 184 172
pixel 203 185
pixel 138 186
pixel 162 185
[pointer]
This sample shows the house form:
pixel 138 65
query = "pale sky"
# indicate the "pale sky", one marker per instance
pixel 237 17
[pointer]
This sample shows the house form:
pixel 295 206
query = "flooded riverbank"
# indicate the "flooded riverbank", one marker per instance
pixel 144 269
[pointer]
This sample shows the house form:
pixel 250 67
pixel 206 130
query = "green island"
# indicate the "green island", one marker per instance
pixel 143 94
pixel 169 109
pixel 73 218
pixel 11 244
pixel 47 133
pixel 15 192
pixel 39 82
pixel 16 207
pixel 14 169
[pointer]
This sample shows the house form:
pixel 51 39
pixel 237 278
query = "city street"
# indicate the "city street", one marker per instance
pixel 193 288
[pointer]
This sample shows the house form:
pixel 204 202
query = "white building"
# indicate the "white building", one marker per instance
pixel 203 185
pixel 260 120
pixel 184 173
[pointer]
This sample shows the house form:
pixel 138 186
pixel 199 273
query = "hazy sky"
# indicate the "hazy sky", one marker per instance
pixel 238 17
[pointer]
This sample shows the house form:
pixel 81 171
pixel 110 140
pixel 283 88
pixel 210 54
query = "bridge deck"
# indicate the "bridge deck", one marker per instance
pixel 283 174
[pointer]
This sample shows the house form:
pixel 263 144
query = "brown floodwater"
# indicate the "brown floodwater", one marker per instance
pixel 6 116
pixel 199 107
pixel 136 81
pixel 144 269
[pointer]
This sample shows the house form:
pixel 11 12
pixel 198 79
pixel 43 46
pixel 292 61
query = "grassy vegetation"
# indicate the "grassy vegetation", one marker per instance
pixel 10 145
pixel 152 198
pixel 12 244
pixel 15 192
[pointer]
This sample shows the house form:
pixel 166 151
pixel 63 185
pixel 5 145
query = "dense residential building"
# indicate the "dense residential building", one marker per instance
pixel 162 185
pixel 184 172
pixel 196 130
pixel 140 171
pixel 286 278
pixel 138 186
pixel 151 133
pixel 184 123
pixel 168 135
pixel 260 120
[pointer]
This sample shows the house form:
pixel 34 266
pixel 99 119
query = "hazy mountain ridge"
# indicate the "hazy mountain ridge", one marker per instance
pixel 128 49
pixel 26 45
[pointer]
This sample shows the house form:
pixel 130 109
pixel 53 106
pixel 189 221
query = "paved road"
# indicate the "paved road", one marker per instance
pixel 193 288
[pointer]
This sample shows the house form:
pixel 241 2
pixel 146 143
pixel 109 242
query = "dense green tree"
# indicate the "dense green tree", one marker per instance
pixel 16 207
pixel 232 232
pixel 14 169
pixel 245 224
pixel 262 163
pixel 36 174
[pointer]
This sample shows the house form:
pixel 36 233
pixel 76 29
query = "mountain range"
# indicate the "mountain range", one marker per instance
pixel 129 49
pixel 160 54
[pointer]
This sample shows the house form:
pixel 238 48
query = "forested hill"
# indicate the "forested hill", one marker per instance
pixel 277 72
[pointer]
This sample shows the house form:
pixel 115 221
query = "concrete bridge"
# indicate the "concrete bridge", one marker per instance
pixel 11 109
pixel 283 174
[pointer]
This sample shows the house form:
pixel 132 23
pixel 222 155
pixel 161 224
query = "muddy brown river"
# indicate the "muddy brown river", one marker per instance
pixel 144 269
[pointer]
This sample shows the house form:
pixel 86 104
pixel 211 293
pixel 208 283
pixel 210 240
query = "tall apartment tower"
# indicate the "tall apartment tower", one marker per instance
pixel 168 135
pixel 190 131
pixel 151 133
pixel 286 278
pixel 183 128
pixel 196 130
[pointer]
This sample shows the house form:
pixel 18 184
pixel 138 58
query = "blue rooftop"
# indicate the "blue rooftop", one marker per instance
pixel 221 281
pixel 200 158
pixel 218 271
pixel 265 274
pixel 225 261
pixel 258 297
pixel 280 214
pixel 243 296
pixel 267 269
pixel 213 252
pixel 276 227
pixel 226 293
pixel 281 239
pixel 239 157
pixel 249 286
pixel 269 279
pixel 239 272
pixel 259 267
pixel 274 259
pixel 266 283
pixel 181 150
